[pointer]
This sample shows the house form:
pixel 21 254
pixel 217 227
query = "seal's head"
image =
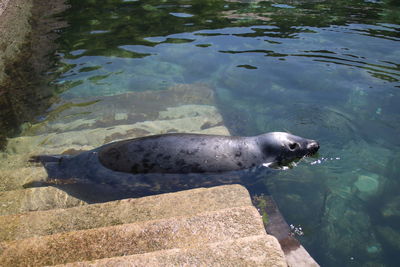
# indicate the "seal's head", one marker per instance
pixel 281 148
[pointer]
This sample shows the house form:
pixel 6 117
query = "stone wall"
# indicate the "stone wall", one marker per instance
pixel 26 39
pixel 14 29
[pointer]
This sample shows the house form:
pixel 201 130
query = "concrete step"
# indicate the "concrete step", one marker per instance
pixel 136 238
pixel 33 199
pixel 184 203
pixel 260 250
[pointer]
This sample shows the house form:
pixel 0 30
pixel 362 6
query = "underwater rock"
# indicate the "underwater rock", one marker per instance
pixel 392 166
pixel 367 185
pixel 345 226
pixel 374 248
pixel 392 207
pixel 390 236
pixel 120 116
pixel 358 99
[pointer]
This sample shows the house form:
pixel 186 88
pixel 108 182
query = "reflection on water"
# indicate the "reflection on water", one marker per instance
pixel 327 70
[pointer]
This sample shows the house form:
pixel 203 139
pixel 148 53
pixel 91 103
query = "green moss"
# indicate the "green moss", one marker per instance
pixel 261 203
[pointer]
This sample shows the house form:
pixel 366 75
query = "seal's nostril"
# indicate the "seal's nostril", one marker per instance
pixel 314 145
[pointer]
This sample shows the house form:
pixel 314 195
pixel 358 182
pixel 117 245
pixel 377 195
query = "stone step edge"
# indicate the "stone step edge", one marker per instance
pixel 182 203
pixel 133 238
pixel 257 250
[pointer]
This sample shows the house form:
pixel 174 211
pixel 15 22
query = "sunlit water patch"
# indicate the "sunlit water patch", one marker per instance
pixel 327 70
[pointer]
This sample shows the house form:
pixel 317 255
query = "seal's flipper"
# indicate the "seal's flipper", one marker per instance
pixel 45 158
pixel 54 165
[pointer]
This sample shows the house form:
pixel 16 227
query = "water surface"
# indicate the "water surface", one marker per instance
pixel 327 70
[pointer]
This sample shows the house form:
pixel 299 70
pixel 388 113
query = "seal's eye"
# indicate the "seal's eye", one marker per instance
pixel 293 146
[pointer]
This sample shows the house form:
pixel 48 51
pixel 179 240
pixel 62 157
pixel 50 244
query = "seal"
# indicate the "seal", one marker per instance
pixel 178 153
pixel 195 153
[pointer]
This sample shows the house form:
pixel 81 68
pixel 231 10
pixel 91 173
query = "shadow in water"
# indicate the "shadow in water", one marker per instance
pixel 134 186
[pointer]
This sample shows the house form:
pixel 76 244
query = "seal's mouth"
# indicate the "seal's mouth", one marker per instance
pixel 283 163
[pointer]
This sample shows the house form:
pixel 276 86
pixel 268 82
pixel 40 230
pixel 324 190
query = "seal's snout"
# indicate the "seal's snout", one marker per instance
pixel 313 146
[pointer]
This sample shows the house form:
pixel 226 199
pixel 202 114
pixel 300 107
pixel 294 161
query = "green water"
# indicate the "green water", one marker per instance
pixel 327 70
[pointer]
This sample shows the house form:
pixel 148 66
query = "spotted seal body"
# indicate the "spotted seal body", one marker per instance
pixel 178 154
pixel 195 153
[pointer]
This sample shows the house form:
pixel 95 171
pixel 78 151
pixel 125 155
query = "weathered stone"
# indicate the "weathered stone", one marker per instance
pixel 3 6
pixel 128 239
pixel 248 251
pixel 184 203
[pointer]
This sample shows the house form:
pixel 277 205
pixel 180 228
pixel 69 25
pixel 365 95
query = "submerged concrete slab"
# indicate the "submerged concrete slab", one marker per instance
pixel 136 238
pixel 184 203
pixel 33 199
pixel 202 117
pixel 261 250
pixel 296 255
pixel 127 108
pixel 299 257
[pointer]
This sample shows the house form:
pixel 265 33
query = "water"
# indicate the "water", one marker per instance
pixel 327 70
